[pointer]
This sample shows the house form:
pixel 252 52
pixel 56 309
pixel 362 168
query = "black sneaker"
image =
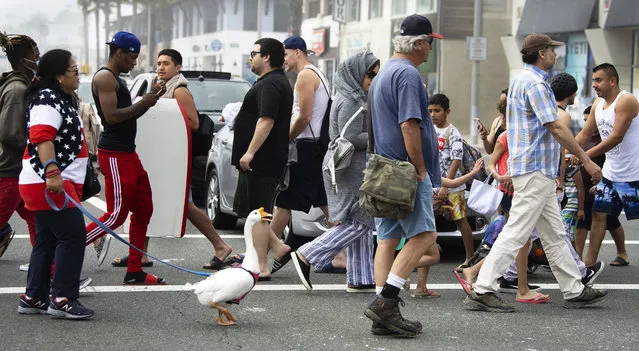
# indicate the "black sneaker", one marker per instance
pixel 69 309
pixel 588 296
pixel 385 312
pixel 592 273
pixel 303 270
pixel 489 302
pixel 32 306
pixel 510 286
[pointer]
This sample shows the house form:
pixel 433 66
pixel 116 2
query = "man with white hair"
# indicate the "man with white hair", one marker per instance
pixel 403 130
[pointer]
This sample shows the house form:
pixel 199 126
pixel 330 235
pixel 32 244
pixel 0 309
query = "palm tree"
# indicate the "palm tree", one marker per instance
pixel 84 4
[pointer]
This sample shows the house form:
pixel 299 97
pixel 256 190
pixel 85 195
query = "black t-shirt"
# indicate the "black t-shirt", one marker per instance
pixel 271 96
pixel 118 136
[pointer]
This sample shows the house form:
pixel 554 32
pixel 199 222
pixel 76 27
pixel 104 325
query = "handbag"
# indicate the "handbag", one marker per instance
pixel 340 151
pixel 91 185
pixel 484 198
pixel 389 186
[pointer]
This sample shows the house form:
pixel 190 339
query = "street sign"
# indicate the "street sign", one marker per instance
pixel 476 48
pixel 339 11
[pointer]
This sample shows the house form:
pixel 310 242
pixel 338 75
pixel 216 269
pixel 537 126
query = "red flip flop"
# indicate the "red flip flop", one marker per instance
pixel 465 285
pixel 539 298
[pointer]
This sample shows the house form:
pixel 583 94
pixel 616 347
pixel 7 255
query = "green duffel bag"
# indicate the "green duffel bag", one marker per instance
pixel 389 187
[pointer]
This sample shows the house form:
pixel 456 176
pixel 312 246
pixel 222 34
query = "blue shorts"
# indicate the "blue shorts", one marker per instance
pixel 611 197
pixel 421 220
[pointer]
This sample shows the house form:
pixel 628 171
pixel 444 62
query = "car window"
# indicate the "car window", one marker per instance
pixel 213 95
pixel 142 90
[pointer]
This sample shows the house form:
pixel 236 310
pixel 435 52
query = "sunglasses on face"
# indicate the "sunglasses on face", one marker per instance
pixel 74 70
pixel 429 40
pixel 253 53
pixel 371 74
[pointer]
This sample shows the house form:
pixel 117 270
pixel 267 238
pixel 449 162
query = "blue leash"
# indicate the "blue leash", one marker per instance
pixel 102 226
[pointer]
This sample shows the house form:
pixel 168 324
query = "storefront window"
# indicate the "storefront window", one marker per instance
pixel 424 6
pixel 399 7
pixel 376 9
pixel 635 65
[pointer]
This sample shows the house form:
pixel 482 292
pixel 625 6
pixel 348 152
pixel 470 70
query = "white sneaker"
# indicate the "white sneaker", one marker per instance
pixel 24 267
pixel 105 249
pixel 84 282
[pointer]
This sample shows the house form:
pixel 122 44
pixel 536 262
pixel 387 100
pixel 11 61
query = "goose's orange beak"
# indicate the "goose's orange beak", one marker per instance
pixel 265 216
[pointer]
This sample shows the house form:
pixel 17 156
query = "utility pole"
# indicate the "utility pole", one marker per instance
pixel 474 92
pixel 259 19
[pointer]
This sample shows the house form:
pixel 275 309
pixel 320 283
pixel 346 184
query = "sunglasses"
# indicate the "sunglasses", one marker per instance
pixel 76 71
pixel 371 74
pixel 429 40
pixel 253 53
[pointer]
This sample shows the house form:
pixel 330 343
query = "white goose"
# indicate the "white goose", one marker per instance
pixel 232 284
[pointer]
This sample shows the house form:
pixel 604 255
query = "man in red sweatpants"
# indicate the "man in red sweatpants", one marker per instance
pixel 127 187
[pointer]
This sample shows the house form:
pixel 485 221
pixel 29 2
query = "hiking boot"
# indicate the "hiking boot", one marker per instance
pixel 510 286
pixel 588 296
pixel 32 306
pixel 69 309
pixel 386 312
pixel 303 270
pixel 380 329
pixel 489 302
pixel 592 273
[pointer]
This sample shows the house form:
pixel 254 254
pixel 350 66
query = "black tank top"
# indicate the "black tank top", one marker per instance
pixel 498 131
pixel 118 136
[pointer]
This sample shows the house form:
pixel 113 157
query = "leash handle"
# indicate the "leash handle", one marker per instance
pixel 108 230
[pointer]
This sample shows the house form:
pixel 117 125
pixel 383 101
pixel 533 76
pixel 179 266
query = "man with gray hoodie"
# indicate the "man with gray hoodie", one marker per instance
pixel 23 54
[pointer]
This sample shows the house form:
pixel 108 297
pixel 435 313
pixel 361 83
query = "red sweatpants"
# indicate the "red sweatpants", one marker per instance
pixel 127 189
pixel 10 202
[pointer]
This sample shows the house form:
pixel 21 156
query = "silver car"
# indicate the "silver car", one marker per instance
pixel 222 181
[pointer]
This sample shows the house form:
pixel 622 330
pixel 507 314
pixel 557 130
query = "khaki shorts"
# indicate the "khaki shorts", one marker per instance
pixel 453 207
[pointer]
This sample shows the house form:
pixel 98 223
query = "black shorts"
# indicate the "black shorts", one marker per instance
pixel 306 182
pixel 252 192
pixel 612 222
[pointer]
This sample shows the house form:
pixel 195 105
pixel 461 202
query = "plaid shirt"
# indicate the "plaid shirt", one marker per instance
pixel 531 104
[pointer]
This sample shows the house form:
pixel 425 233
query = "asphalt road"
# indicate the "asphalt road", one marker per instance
pixel 281 315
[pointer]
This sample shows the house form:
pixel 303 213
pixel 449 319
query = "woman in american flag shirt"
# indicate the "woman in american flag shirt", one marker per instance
pixel 54 162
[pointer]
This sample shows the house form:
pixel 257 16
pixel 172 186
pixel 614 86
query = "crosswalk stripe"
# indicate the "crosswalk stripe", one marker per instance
pixel 284 287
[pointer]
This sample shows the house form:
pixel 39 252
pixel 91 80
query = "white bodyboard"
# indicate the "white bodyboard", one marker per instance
pixel 163 143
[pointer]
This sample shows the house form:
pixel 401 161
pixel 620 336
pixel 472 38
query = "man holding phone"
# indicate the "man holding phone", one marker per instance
pixel 127 187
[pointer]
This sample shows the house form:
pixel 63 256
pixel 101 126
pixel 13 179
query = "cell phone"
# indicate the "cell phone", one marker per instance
pixel 571 170
pixel 160 92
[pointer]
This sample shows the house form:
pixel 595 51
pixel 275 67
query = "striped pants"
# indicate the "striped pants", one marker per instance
pixel 357 238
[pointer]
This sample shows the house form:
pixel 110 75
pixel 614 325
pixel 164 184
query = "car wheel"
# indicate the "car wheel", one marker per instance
pixel 219 219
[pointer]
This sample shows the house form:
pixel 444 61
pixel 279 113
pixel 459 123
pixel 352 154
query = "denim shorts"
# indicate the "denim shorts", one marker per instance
pixel 421 220
pixel 611 197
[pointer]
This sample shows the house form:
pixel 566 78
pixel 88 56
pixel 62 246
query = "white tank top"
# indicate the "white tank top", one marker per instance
pixel 622 161
pixel 320 102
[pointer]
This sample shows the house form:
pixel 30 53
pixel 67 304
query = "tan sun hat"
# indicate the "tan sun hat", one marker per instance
pixel 537 41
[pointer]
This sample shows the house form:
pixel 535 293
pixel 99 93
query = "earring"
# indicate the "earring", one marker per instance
pixel 59 82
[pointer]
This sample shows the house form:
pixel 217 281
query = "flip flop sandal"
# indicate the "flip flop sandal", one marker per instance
pixel 232 260
pixel 6 240
pixel 278 264
pixel 149 279
pixel 215 264
pixel 264 279
pixel 537 299
pixel 123 262
pixel 617 262
pixel 425 294
pixel 329 268
pixel 465 285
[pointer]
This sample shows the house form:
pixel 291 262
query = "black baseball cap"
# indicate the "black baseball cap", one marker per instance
pixel 418 25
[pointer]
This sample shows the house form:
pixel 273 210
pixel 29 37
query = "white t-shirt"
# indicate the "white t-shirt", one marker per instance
pixel 450 149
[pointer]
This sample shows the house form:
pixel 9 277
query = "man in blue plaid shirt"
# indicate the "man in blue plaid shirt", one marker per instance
pixel 534 138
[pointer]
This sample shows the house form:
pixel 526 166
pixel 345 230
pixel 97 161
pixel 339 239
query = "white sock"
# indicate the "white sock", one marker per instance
pixel 378 290
pixel 395 281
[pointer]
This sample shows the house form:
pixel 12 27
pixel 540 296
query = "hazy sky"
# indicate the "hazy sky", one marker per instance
pixel 14 12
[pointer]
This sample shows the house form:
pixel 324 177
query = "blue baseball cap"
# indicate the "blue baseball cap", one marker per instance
pixel 296 42
pixel 126 41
